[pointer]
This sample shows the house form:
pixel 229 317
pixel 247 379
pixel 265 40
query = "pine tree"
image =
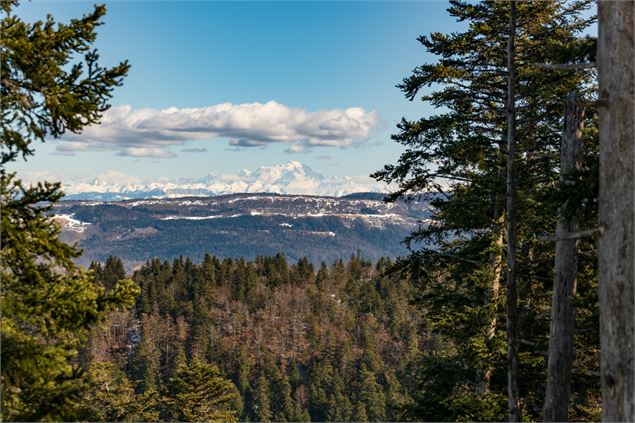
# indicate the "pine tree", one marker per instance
pixel 200 393
pixel 112 272
pixel 320 385
pixel 371 395
pixel 360 413
pixel 145 361
pixel 261 406
pixel 242 371
pixel 458 158
pixel 322 276
pixel 112 397
pixel 281 403
pixel 48 303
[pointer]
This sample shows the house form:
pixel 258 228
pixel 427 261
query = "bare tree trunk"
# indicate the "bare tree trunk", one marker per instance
pixel 512 308
pixel 497 265
pixel 560 358
pixel 615 246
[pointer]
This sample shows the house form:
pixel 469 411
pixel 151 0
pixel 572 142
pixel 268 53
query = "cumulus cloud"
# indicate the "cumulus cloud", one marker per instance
pixel 150 132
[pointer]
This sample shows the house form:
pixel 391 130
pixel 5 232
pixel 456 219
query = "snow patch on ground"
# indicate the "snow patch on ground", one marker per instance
pixel 218 216
pixel 329 234
pixel 69 222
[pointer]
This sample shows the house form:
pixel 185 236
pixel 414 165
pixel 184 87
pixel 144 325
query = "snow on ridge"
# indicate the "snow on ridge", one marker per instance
pixel 217 216
pixel 292 178
pixel 322 233
pixel 69 222
pixel 375 220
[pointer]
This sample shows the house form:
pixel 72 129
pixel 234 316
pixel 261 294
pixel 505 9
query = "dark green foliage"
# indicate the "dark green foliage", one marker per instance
pixel 112 397
pixel 45 90
pixel 371 395
pixel 282 406
pixel 295 351
pixel 196 392
pixel 344 349
pixel 199 393
pixel 46 316
pixel 48 303
pixel 261 402
pixel 457 158
pixel 108 274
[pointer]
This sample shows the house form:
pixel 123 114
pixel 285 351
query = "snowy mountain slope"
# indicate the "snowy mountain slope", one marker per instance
pixel 288 178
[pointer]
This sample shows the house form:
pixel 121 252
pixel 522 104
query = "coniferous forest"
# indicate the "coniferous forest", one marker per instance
pixel 351 341
pixel 298 343
pixel 514 302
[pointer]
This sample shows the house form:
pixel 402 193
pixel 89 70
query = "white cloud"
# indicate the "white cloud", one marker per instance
pixel 149 132
pixel 296 148
pixel 146 152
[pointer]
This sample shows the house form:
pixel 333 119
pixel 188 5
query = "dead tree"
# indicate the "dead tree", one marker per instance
pixel 560 358
pixel 615 248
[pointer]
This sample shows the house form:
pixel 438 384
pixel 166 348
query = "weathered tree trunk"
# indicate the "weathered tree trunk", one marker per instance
pixel 497 265
pixel 494 294
pixel 560 358
pixel 615 248
pixel 512 308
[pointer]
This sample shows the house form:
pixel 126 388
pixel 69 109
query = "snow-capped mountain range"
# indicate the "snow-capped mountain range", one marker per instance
pixel 288 178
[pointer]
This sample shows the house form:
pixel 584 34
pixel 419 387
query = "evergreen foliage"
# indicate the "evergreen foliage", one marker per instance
pixel 112 397
pixel 333 344
pixel 48 303
pixel 458 159
pixel 198 393
pixel 271 340
pixel 348 345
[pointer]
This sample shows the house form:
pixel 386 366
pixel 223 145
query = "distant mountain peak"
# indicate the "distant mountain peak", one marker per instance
pixel 291 177
pixel 292 164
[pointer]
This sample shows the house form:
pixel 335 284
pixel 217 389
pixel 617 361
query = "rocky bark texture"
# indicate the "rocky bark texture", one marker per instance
pixel 616 255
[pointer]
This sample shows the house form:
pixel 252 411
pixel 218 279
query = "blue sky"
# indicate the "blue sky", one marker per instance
pixel 305 56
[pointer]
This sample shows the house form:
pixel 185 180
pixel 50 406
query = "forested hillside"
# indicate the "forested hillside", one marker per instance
pixel 340 342
pixel 333 343
pixel 240 225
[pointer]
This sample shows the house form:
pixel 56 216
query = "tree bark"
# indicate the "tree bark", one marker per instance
pixel 512 308
pixel 497 266
pixel 560 359
pixel 615 245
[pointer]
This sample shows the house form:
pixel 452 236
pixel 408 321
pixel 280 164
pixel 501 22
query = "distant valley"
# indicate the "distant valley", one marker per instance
pixel 240 225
